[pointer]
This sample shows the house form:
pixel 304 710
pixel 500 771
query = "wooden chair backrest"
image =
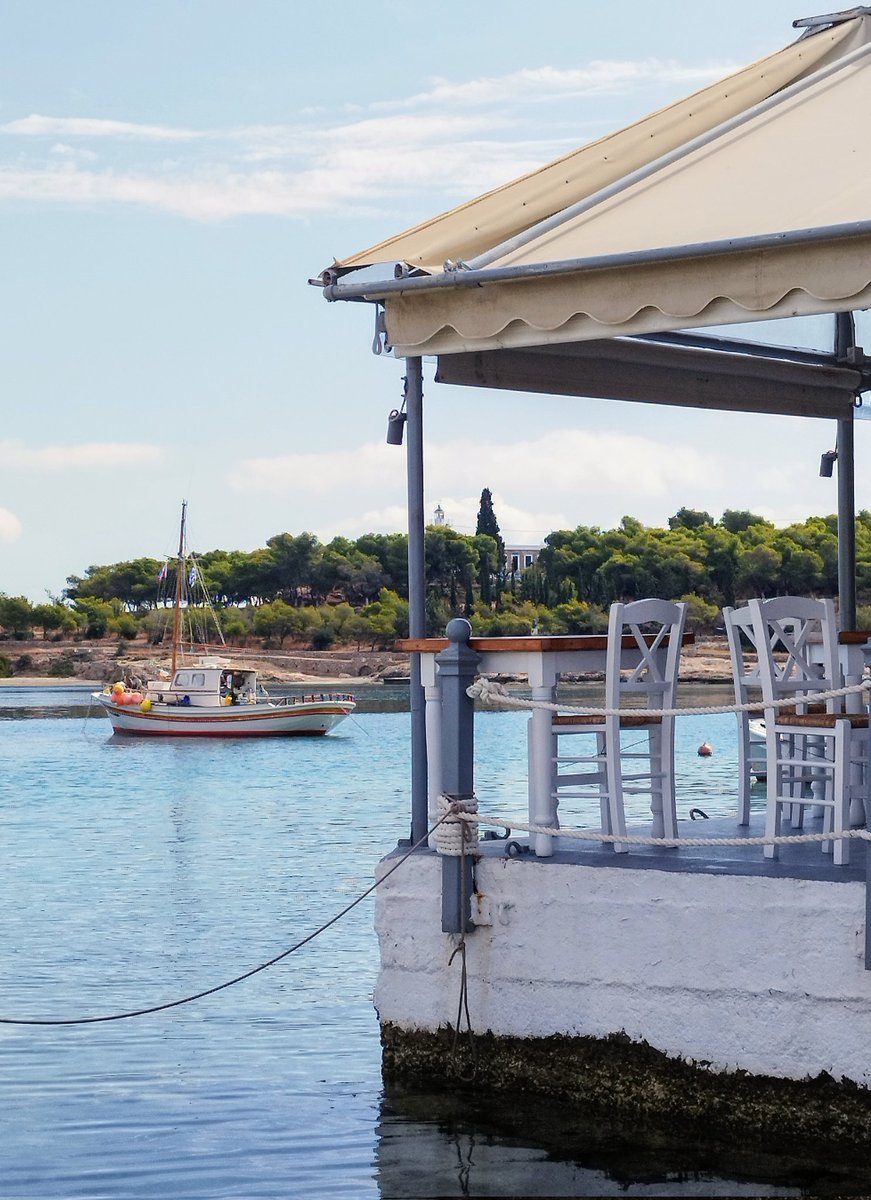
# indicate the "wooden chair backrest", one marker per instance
pixel 784 630
pixel 657 627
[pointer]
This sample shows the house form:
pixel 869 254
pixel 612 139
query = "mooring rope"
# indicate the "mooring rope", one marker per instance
pixel 494 695
pixel 220 987
pixel 457 807
pixel 452 836
pixel 460 812
pixel 630 839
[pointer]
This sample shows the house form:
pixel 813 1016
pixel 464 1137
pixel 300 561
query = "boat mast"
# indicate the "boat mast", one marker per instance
pixel 179 577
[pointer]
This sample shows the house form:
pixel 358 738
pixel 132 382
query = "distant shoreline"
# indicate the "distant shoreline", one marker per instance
pixel 705 662
pixel 334 682
pixel 50 681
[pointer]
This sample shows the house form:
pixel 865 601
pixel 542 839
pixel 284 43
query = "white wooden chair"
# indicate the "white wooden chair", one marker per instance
pixel 744 659
pixel 809 752
pixel 652 629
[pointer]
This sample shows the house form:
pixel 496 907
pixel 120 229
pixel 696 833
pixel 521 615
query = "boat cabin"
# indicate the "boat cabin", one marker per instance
pixel 207 685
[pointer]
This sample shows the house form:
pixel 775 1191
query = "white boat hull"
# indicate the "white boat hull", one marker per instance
pixel 303 719
pixel 758 750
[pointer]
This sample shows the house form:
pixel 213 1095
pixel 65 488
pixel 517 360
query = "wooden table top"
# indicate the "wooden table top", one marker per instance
pixel 537 645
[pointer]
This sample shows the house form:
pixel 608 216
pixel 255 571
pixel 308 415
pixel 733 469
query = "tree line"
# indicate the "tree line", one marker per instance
pixel 297 589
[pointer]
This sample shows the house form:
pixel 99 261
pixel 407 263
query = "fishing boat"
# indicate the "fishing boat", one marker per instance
pixel 210 697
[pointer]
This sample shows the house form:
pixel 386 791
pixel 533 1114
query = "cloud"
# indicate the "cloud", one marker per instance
pixel 343 171
pixel 358 467
pixel 95 127
pixel 452 140
pixel 390 519
pixel 10 526
pixel 87 456
pixel 572 462
pixel 557 480
pixel 63 151
pixel 576 463
pixel 543 84
pixel 205 196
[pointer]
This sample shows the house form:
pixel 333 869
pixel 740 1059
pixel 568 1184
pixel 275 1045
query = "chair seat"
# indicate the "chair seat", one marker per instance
pixel 809 710
pixel 627 720
pixel 820 720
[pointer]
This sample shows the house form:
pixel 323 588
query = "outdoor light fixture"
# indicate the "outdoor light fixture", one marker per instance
pixel 827 463
pixel 396 425
pixel 397 418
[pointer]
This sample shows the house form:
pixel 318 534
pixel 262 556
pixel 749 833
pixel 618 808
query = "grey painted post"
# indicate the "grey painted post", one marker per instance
pixel 866 651
pixel 457 667
pixel 845 341
pixel 846 524
pixel 416 592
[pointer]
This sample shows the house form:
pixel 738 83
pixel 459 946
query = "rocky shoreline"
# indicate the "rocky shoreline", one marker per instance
pixel 40 663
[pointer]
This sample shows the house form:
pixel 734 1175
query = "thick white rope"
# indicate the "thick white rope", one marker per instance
pixel 593 835
pixel 493 694
pixel 456 831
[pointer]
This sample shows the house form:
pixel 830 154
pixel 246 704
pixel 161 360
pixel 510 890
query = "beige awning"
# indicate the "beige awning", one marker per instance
pixel 476 226
pixel 765 215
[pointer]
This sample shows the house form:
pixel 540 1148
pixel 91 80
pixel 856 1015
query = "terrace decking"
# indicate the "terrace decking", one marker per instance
pixel 803 861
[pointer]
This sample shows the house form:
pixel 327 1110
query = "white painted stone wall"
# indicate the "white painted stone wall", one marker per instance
pixel 739 972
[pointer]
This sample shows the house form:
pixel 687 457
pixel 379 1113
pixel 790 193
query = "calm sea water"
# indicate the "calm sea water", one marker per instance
pixel 137 872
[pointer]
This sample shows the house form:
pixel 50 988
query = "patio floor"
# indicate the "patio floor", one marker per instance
pixel 805 861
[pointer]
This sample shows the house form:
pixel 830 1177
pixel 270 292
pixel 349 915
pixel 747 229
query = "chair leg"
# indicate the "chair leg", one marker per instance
pixel 841 792
pixel 857 781
pixel 797 748
pixel 614 774
pixel 657 780
pixel 773 805
pixel 744 780
pixel 666 755
pixel 604 810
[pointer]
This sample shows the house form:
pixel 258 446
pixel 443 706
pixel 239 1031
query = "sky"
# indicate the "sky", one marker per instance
pixel 171 176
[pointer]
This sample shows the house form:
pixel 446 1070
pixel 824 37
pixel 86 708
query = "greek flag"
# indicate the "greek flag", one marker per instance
pixel 192 577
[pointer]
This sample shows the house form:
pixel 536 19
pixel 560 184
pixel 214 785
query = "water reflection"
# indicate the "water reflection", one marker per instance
pixel 431 1144
pixel 20 702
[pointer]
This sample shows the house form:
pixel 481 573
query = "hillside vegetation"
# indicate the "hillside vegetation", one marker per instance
pixel 297 591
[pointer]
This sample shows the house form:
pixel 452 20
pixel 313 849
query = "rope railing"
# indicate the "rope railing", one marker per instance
pixel 495 695
pixel 465 812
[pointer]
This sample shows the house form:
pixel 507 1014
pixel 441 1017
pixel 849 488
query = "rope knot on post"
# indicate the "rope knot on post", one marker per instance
pixel 488 691
pixel 454 836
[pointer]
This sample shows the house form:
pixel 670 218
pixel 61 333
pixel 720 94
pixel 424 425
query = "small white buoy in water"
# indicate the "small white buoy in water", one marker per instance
pixel 705 750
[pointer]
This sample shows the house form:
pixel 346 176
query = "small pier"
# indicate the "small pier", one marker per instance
pixel 687 983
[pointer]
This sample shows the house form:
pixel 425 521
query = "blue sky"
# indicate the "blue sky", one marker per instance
pixel 171 174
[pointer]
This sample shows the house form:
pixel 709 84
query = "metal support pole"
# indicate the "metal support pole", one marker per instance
pixel 846 524
pixel 457 667
pixel 845 341
pixel 866 651
pixel 416 591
